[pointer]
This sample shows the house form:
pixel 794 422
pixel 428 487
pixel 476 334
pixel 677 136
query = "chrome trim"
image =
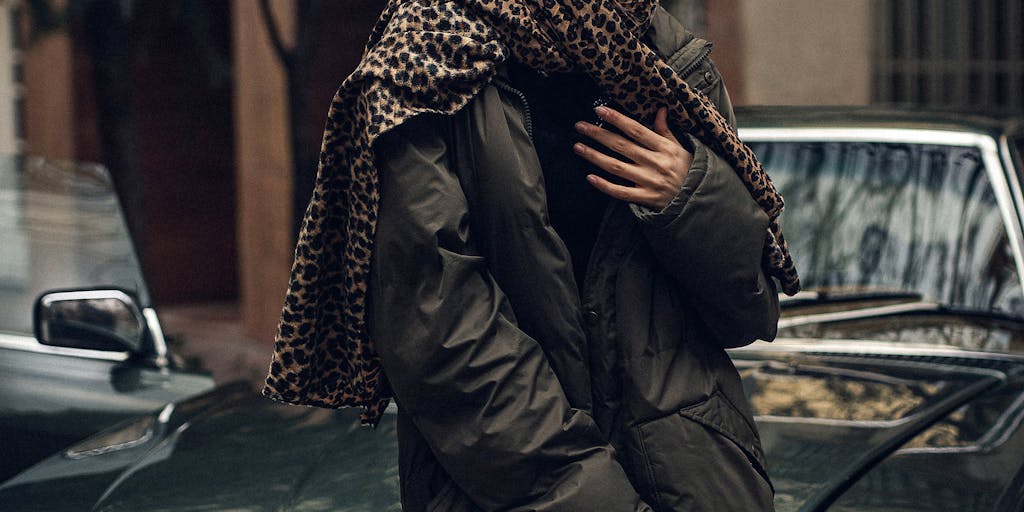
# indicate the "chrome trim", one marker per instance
pixel 156 331
pixel 843 347
pixel 165 413
pixel 78 295
pixel 30 344
pixel 1012 178
pixel 860 134
pixel 1004 193
pixel 73 454
pixel 922 411
pixel 855 314
pixel 1007 425
pixel 50 298
pixel 835 422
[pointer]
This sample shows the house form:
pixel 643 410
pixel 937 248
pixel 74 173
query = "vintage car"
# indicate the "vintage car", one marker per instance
pixel 80 343
pixel 896 384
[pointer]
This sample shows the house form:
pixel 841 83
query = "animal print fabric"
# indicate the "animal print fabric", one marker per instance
pixel 435 56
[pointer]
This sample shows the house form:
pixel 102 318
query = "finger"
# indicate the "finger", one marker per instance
pixel 615 142
pixel 661 125
pixel 610 164
pixel 620 192
pixel 632 129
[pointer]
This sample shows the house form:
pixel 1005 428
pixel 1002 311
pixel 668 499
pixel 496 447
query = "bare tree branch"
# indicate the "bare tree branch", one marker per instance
pixel 275 34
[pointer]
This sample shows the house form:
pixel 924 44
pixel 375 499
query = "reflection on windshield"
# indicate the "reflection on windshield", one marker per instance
pixel 61 227
pixel 788 394
pixel 900 216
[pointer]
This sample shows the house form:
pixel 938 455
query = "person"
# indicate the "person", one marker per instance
pixel 546 289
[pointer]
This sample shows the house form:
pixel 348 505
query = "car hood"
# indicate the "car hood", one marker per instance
pixel 886 426
pixel 227 450
pixel 855 424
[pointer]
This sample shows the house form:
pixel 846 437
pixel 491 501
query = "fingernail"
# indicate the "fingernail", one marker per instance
pixel 581 126
pixel 601 110
pixel 577 147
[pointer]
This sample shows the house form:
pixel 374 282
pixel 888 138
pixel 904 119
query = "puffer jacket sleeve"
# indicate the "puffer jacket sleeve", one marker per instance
pixel 711 236
pixel 479 390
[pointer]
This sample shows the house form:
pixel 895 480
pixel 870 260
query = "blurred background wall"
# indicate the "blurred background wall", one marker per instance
pixel 10 139
pixel 209 111
pixel 806 52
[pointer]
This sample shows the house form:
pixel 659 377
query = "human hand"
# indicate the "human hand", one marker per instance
pixel 656 163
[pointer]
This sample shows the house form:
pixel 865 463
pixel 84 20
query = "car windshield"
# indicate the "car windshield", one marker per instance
pixel 61 227
pixel 910 218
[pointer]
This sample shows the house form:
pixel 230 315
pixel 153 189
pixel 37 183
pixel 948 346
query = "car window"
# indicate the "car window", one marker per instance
pixel 914 217
pixel 60 227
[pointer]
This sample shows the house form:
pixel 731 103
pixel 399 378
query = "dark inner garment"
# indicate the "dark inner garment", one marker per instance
pixel 575 207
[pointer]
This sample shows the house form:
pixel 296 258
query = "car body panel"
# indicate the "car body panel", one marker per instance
pixel 823 415
pixel 829 418
pixel 50 401
pixel 228 450
pixel 63 229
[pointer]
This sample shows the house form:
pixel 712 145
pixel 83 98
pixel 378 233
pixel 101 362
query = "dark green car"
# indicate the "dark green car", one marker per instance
pixel 80 344
pixel 897 382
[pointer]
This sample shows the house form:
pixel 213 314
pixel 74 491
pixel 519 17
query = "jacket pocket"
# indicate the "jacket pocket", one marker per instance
pixel 703 457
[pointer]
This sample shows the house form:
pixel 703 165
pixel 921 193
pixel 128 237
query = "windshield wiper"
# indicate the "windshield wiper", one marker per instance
pixel 902 308
pixel 814 297
pixel 987 314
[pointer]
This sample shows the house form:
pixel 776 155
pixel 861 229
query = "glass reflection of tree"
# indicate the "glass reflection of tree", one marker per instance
pixel 832 394
pixel 920 218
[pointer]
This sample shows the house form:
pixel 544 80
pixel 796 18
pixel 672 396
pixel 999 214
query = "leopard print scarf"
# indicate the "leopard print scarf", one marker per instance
pixel 435 56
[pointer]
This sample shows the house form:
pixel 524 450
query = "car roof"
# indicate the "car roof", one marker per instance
pixel 993 124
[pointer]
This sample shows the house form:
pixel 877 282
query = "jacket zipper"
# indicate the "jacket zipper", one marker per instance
pixel 701 57
pixel 527 115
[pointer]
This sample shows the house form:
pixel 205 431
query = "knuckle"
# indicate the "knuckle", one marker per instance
pixel 667 185
pixel 663 163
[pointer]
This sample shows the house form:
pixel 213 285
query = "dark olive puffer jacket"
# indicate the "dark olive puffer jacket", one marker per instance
pixel 517 393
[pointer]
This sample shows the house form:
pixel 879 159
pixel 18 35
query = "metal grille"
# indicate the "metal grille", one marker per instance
pixel 961 53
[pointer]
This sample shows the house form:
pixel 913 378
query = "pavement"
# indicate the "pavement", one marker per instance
pixel 209 337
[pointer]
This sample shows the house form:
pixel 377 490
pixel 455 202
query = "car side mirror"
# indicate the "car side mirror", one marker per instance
pixel 108 320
